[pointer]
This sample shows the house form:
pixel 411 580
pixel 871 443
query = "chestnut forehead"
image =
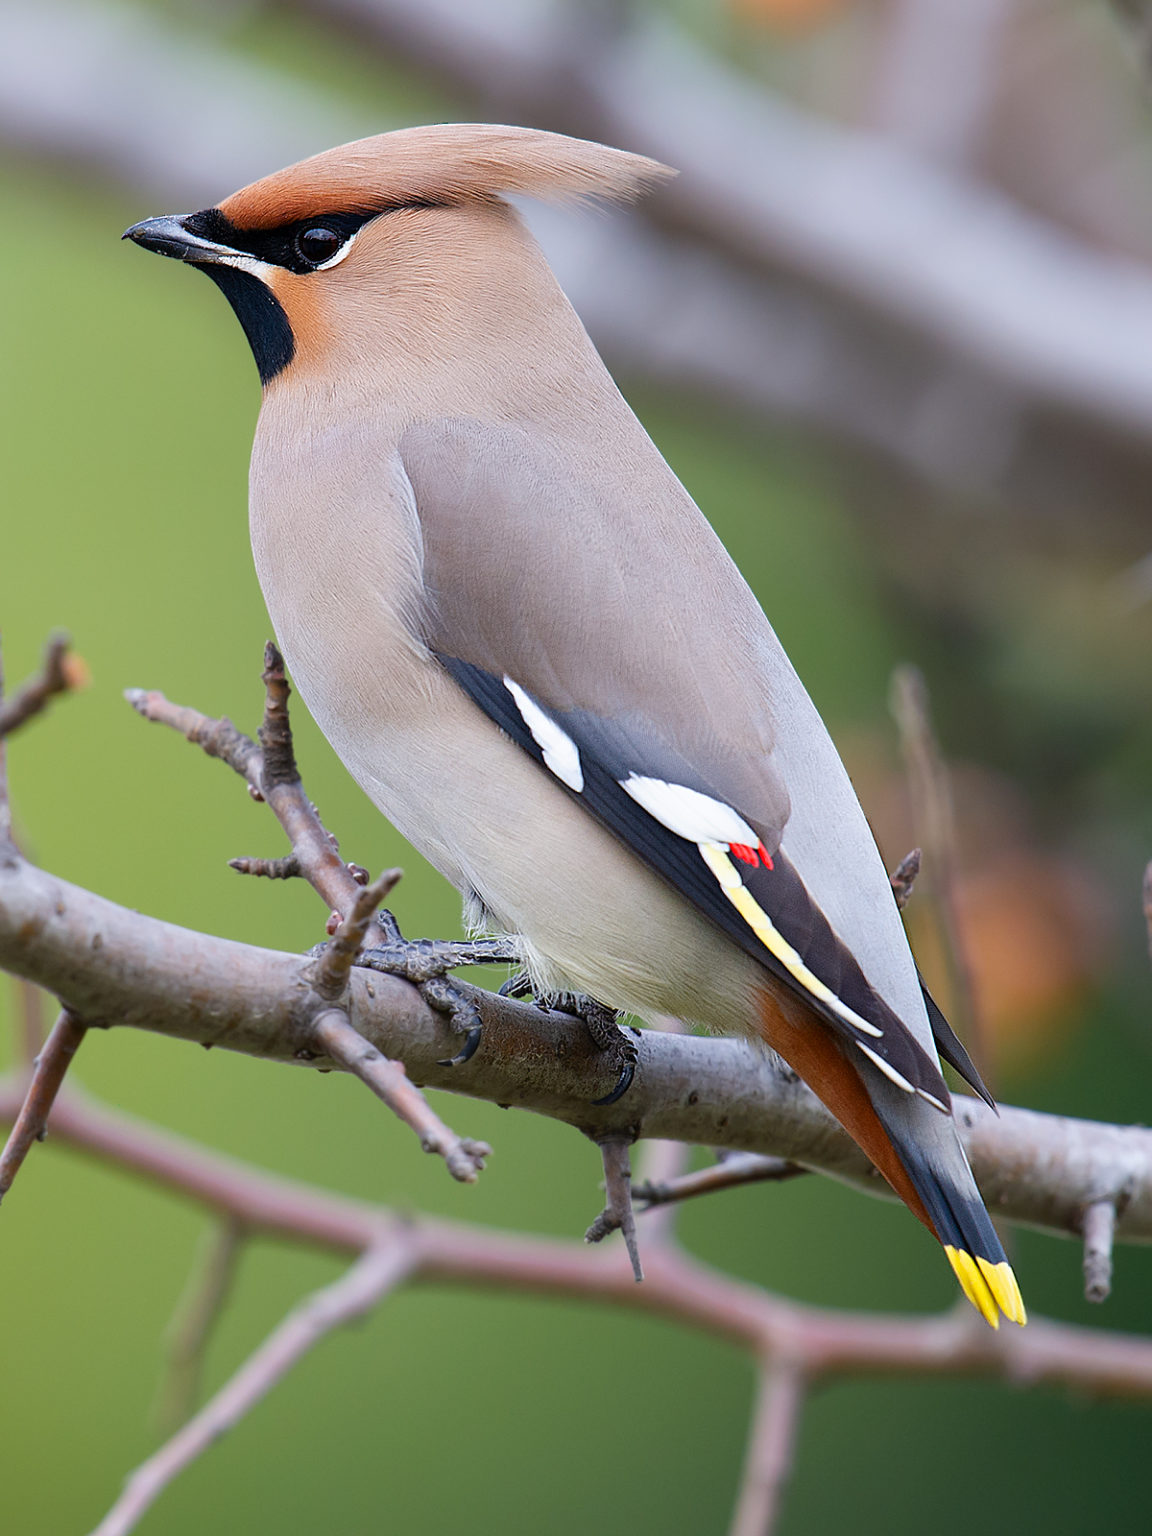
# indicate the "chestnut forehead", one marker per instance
pixel 302 193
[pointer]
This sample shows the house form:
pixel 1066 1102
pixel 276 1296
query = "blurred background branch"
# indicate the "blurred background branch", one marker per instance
pixel 794 257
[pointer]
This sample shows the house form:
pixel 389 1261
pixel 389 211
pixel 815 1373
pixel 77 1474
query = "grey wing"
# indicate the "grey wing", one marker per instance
pixel 592 588
pixel 585 604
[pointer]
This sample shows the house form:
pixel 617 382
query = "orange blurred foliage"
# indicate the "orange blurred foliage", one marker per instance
pixel 1034 921
pixel 792 15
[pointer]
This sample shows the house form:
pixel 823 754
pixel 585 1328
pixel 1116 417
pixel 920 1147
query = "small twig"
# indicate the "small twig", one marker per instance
pixel 375 1273
pixel 334 966
pixel 740 1168
pixel 771 1439
pixel 197 1313
pixel 617 1214
pixel 287 868
pixel 59 673
pixel 904 877
pixel 218 738
pixel 271 774
pixel 312 843
pixel 935 823
pixel 1099 1228
pixel 48 1072
pixel 276 729
pixel 334 1036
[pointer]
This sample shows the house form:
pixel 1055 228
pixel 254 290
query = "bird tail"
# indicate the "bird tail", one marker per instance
pixel 913 1145
pixel 930 1153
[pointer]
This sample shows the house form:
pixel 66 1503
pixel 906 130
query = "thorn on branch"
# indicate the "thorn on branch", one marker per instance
pixel 1099 1227
pixel 334 1036
pixel 617 1214
pixel 48 1073
pixel 334 966
pixel 287 868
pixel 61 671
pixel 904 877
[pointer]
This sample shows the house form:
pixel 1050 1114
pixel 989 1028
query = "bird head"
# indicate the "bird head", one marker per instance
pixel 398 236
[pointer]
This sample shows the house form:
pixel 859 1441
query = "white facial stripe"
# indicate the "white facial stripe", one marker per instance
pixel 689 814
pixel 890 1071
pixel 561 755
pixel 246 264
pixel 223 255
pixel 717 860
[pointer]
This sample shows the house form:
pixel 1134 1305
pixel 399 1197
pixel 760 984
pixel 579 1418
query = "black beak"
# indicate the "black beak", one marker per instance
pixel 169 236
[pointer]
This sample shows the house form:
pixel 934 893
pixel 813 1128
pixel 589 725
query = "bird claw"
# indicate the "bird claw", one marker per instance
pixel 608 1034
pixel 447 998
pixel 627 1073
pixel 425 963
pixel 467 1050
pixel 518 985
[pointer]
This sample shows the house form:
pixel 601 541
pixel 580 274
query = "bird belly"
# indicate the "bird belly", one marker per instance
pixel 594 919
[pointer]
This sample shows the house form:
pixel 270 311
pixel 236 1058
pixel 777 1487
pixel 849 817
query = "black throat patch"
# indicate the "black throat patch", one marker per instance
pixel 261 314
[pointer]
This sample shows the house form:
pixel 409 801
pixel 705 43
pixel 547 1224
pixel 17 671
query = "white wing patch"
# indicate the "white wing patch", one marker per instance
pixel 717 860
pixel 560 752
pixel 688 813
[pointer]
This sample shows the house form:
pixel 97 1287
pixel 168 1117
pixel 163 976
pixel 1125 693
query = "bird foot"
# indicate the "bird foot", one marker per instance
pixel 426 962
pixel 601 1022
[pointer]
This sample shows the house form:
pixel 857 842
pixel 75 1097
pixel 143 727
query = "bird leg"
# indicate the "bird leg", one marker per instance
pixel 426 963
pixel 601 1022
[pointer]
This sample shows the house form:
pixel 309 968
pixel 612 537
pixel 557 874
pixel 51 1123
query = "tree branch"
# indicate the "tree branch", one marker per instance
pixel 730 1173
pixel 768 1460
pixel 48 1070
pixel 677 1287
pixel 328 1033
pixel 796 1344
pixel 196 1315
pixel 378 1271
pixel 59 673
pixel 974 321
pixel 935 823
pixel 270 771
pixel 112 966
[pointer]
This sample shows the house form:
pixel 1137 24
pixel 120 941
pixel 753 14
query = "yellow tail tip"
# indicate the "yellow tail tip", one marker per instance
pixel 1002 1284
pixel 991 1288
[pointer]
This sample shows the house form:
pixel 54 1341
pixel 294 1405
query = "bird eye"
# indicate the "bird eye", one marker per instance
pixel 317 244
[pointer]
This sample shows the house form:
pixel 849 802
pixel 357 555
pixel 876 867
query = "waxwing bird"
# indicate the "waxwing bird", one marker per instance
pixel 531 650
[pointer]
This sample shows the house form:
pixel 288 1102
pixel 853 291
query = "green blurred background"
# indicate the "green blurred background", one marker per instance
pixel 128 404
